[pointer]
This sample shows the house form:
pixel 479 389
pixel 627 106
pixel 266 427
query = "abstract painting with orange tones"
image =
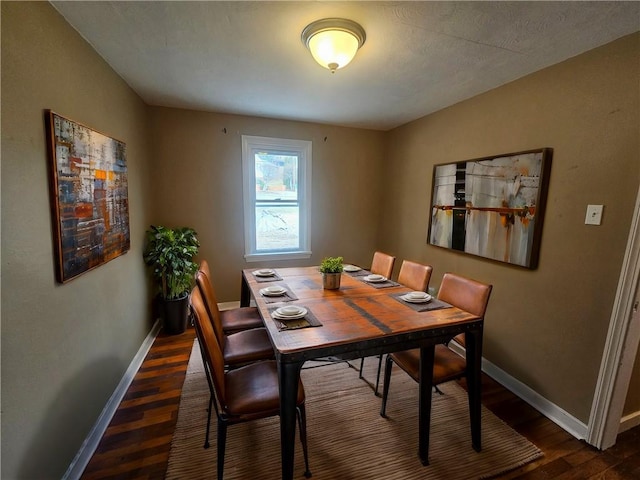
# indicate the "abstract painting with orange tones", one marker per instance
pixel 492 207
pixel 89 196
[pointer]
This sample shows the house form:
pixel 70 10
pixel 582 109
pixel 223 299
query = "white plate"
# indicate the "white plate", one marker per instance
pixel 415 300
pixel 264 273
pixel 418 295
pixel 274 291
pixel 301 313
pixel 290 310
pixel 351 268
pixel 375 278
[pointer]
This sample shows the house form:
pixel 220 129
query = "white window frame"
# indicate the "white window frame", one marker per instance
pixel 301 148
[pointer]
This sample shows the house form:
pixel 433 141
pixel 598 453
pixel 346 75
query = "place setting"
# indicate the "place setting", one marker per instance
pixel 277 293
pixel 355 271
pixel 420 301
pixel 266 275
pixel 292 317
pixel 379 281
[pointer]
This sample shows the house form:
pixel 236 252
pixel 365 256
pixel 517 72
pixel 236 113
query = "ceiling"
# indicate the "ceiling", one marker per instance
pixel 419 57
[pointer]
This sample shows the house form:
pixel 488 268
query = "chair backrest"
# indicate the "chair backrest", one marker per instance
pixel 210 301
pixel 415 275
pixel 466 294
pixel 204 267
pixel 210 348
pixel 382 264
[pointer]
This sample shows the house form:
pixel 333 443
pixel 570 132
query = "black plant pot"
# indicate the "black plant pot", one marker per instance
pixel 176 313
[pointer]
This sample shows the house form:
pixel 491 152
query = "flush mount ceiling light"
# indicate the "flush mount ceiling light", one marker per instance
pixel 333 42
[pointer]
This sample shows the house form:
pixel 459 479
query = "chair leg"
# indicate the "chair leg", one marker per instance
pixel 222 443
pixel 206 437
pixel 385 389
pixel 302 423
pixel 378 375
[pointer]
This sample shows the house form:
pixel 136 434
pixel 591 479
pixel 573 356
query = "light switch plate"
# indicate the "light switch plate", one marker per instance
pixel 594 215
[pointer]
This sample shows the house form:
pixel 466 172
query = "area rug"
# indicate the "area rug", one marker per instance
pixel 347 437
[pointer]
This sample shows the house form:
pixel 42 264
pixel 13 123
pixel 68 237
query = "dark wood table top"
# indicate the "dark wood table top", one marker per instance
pixel 357 319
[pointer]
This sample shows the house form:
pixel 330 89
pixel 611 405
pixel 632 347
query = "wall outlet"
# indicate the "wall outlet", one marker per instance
pixel 594 215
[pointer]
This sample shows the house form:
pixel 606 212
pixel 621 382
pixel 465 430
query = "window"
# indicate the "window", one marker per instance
pixel 277 198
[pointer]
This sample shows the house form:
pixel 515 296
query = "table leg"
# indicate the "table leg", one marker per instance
pixel 245 293
pixel 473 340
pixel 424 414
pixel 289 376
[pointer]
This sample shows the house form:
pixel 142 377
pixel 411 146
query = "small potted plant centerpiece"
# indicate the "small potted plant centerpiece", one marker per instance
pixel 331 269
pixel 170 253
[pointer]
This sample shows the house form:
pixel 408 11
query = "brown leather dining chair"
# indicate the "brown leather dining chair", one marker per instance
pixel 412 275
pixel 235 319
pixel 241 395
pixel 464 293
pixel 237 348
pixel 382 264
pixel 415 275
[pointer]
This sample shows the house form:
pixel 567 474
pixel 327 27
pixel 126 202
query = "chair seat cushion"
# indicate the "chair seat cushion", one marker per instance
pixel 448 365
pixel 242 318
pixel 254 389
pixel 247 346
pixel 409 361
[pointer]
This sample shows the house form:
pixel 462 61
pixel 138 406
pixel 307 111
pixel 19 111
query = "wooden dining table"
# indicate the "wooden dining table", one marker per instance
pixel 359 320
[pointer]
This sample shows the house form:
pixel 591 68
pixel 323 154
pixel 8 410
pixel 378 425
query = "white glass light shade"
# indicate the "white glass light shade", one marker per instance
pixel 333 42
pixel 333 49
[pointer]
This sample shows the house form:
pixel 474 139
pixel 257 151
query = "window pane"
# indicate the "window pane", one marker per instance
pixel 276 180
pixel 276 177
pixel 277 227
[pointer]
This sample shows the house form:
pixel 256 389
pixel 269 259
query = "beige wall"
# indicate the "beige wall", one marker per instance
pixel 64 347
pixel 632 402
pixel 545 327
pixel 198 177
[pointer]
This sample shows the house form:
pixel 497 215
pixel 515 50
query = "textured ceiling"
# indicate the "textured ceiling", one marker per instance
pixel 419 57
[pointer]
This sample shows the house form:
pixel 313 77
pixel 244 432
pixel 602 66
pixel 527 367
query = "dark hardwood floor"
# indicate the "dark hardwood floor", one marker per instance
pixel 136 443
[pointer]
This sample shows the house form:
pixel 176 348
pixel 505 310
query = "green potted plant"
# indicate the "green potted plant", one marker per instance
pixel 170 253
pixel 331 269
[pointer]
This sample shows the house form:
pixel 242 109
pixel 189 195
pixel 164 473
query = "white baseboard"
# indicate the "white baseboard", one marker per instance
pixel 549 409
pixel 629 421
pixel 88 448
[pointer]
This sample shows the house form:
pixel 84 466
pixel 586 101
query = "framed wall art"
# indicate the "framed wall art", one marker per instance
pixel 89 196
pixel 492 207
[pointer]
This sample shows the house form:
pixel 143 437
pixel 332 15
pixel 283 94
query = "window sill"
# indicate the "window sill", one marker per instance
pixel 261 257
